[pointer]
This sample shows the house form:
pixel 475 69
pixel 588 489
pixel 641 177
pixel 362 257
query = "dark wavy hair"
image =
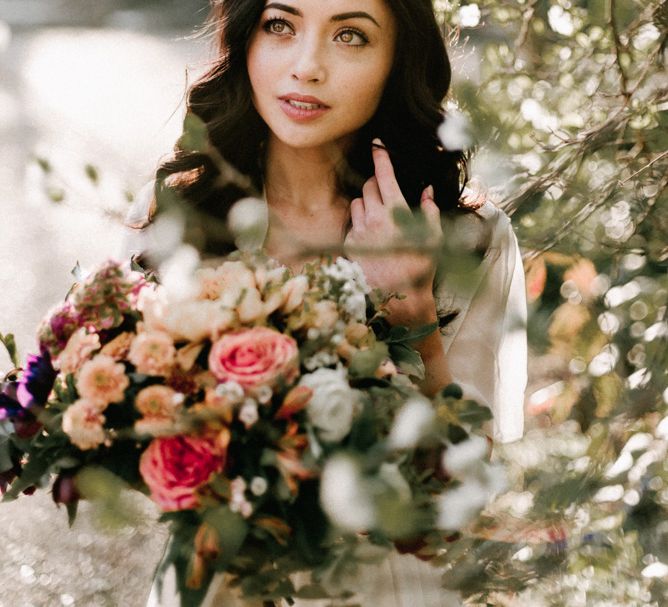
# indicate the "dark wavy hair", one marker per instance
pixel 406 120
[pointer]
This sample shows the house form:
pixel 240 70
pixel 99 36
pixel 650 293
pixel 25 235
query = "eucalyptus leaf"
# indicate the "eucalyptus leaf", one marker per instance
pixel 9 343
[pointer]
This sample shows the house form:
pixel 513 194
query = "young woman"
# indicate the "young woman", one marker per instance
pixel 331 110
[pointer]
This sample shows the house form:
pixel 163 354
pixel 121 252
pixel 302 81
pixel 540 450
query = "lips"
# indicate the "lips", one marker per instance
pixel 302 107
pixel 304 101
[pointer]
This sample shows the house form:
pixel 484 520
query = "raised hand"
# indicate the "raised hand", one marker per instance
pixel 377 244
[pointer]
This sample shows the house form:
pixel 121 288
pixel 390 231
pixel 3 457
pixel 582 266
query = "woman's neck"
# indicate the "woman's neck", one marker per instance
pixel 302 181
pixel 306 212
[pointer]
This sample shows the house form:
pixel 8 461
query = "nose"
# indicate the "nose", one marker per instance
pixel 309 65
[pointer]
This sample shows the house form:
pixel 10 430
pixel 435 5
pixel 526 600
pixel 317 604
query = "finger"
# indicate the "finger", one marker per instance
pixel 431 211
pixel 373 201
pixel 357 213
pixel 387 181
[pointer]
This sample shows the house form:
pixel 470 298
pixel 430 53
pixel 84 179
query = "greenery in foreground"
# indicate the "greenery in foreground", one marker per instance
pixel 570 114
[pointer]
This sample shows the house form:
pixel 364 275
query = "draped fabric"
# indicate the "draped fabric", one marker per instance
pixel 485 343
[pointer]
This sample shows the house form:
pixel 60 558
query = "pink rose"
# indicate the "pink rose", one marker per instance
pixel 254 357
pixel 174 468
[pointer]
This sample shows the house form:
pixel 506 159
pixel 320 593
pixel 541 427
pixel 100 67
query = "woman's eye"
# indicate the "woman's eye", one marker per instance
pixel 352 37
pixel 277 26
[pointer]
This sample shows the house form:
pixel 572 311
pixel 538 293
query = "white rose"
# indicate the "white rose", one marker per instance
pixel 332 406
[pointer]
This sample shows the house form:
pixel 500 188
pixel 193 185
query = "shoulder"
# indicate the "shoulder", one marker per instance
pixel 143 208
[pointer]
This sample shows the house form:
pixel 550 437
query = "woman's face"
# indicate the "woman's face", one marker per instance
pixel 318 67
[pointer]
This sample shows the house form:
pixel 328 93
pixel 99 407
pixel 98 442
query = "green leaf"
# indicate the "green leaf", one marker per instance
pixel 408 360
pixel 365 362
pixel 470 412
pixel 6 462
pixel 92 173
pixel 77 272
pixel 72 512
pixel 55 194
pixel 44 164
pixel 232 531
pixel 401 334
pixel 10 345
pixel 452 391
pixel 195 137
pixel 32 474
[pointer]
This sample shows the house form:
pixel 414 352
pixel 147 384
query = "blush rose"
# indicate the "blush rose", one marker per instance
pixel 254 357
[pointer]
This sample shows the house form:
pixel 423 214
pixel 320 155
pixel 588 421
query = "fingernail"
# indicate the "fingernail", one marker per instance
pixel 428 193
pixel 377 143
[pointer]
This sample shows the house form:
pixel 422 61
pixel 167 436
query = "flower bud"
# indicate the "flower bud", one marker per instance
pixel 295 400
pixel 207 542
pixel 196 573
pixel 65 490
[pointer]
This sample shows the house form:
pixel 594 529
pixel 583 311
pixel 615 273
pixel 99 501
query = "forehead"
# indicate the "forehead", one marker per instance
pixel 327 8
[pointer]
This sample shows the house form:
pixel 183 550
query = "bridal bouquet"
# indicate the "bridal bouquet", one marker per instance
pixel 274 419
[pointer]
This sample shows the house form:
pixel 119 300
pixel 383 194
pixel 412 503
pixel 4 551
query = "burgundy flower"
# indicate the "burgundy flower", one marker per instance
pixel 25 423
pixel 65 490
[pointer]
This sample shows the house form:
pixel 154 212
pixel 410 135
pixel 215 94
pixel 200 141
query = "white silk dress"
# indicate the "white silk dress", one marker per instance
pixel 486 349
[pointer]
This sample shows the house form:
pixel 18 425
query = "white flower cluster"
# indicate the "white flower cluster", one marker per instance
pixel 353 286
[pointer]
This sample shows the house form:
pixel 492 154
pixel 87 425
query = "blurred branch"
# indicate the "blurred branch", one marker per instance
pixel 619 49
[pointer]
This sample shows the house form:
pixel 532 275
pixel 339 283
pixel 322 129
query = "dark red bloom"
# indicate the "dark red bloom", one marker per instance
pixel 65 490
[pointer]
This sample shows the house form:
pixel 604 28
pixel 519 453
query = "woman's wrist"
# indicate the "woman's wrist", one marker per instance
pixel 414 310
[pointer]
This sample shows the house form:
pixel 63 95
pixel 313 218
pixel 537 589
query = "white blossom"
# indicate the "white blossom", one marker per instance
pixel 411 423
pixel 344 496
pixel 248 414
pixel 460 458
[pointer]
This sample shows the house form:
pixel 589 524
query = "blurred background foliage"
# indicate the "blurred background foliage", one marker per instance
pixel 569 107
pixel 567 104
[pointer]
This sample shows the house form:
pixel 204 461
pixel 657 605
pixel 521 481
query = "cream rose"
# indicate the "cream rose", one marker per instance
pixel 332 407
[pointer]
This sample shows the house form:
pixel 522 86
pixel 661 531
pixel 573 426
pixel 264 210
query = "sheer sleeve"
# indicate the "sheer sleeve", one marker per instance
pixel 486 343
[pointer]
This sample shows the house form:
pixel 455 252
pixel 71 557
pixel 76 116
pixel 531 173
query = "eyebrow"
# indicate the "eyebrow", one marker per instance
pixel 340 17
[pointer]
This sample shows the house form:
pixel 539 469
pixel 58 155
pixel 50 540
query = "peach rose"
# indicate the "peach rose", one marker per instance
pixel 175 468
pixel 83 423
pixel 79 348
pixel 152 353
pixel 254 357
pixel 102 380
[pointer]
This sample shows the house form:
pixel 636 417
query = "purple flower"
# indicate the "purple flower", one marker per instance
pixel 37 381
pixel 9 402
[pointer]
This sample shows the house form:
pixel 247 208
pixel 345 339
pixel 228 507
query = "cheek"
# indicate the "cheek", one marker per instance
pixel 366 90
pixel 258 65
